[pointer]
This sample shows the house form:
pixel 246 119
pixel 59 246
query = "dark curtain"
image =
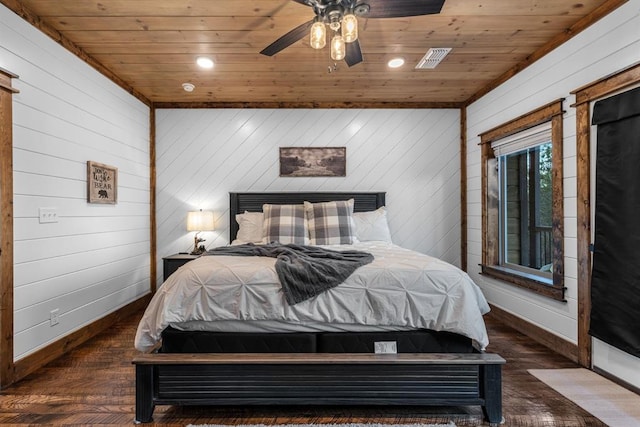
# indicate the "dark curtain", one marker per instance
pixel 615 278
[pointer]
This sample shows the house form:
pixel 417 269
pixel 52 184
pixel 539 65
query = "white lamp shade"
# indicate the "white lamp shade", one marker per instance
pixel 200 221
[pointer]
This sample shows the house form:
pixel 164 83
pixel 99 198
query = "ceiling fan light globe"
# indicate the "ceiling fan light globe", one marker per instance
pixel 338 49
pixel 350 28
pixel 318 35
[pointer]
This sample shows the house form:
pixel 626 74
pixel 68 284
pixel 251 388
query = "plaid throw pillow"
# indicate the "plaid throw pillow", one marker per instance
pixel 284 224
pixel 330 223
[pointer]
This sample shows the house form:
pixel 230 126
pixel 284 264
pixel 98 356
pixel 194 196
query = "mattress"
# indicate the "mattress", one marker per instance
pixel 401 290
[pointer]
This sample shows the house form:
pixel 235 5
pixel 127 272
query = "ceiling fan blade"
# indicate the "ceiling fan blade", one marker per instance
pixel 305 2
pixel 402 8
pixel 288 39
pixel 353 54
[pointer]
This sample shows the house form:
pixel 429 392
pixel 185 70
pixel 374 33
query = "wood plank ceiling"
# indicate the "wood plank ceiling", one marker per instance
pixel 151 46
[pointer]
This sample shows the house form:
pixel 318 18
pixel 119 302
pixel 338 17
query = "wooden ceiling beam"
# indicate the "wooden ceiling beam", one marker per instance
pixel 274 105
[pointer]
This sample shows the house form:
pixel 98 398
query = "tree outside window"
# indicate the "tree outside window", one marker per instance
pixel 526 209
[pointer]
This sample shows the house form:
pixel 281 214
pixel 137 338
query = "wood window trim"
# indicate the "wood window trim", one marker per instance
pixel 601 88
pixel 490 209
pixel 523 281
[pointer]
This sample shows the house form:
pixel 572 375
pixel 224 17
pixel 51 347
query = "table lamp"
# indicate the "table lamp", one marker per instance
pixel 199 221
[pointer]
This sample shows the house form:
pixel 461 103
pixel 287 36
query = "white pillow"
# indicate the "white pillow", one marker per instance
pixel 372 225
pixel 250 230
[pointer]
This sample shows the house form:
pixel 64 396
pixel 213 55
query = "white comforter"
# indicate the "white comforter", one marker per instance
pixel 400 290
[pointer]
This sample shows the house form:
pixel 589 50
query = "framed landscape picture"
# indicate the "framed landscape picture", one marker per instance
pixel 102 183
pixel 313 161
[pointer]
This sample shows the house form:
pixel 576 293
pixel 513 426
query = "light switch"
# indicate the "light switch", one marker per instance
pixel 48 215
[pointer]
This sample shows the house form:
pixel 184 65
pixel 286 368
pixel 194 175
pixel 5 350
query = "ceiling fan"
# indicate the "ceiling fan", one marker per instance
pixel 341 17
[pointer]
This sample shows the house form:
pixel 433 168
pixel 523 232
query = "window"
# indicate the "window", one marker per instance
pixel 524 175
pixel 522 203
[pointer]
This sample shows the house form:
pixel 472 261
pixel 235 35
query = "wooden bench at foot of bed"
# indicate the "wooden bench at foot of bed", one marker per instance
pixel 319 379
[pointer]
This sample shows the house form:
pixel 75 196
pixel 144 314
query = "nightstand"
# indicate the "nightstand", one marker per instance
pixel 172 262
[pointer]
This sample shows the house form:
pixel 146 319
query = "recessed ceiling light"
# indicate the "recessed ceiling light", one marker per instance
pixel 188 87
pixel 396 63
pixel 204 62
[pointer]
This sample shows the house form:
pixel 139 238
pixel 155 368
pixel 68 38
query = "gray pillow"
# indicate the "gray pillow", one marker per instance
pixel 330 223
pixel 284 224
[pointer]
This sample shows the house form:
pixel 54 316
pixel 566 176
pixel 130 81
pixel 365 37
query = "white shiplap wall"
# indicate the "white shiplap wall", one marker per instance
pixel 610 45
pixel 96 258
pixel 413 155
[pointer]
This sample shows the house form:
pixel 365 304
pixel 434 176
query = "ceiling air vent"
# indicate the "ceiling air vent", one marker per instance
pixel 433 57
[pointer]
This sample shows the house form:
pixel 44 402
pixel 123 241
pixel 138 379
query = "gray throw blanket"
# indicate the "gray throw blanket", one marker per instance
pixel 304 271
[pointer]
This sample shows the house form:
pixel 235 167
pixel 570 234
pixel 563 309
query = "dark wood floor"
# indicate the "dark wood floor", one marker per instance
pixel 94 385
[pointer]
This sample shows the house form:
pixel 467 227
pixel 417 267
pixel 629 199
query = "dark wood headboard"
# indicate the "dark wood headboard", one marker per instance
pixel 252 202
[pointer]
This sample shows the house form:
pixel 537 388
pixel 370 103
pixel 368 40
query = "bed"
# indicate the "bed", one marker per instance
pixel 361 342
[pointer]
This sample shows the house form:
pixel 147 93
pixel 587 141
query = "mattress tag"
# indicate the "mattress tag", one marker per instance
pixel 385 347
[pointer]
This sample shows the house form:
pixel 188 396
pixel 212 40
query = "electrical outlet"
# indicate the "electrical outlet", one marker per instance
pixel 53 317
pixel 48 215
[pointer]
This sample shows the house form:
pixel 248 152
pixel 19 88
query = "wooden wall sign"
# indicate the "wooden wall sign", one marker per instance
pixel 102 183
pixel 312 161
